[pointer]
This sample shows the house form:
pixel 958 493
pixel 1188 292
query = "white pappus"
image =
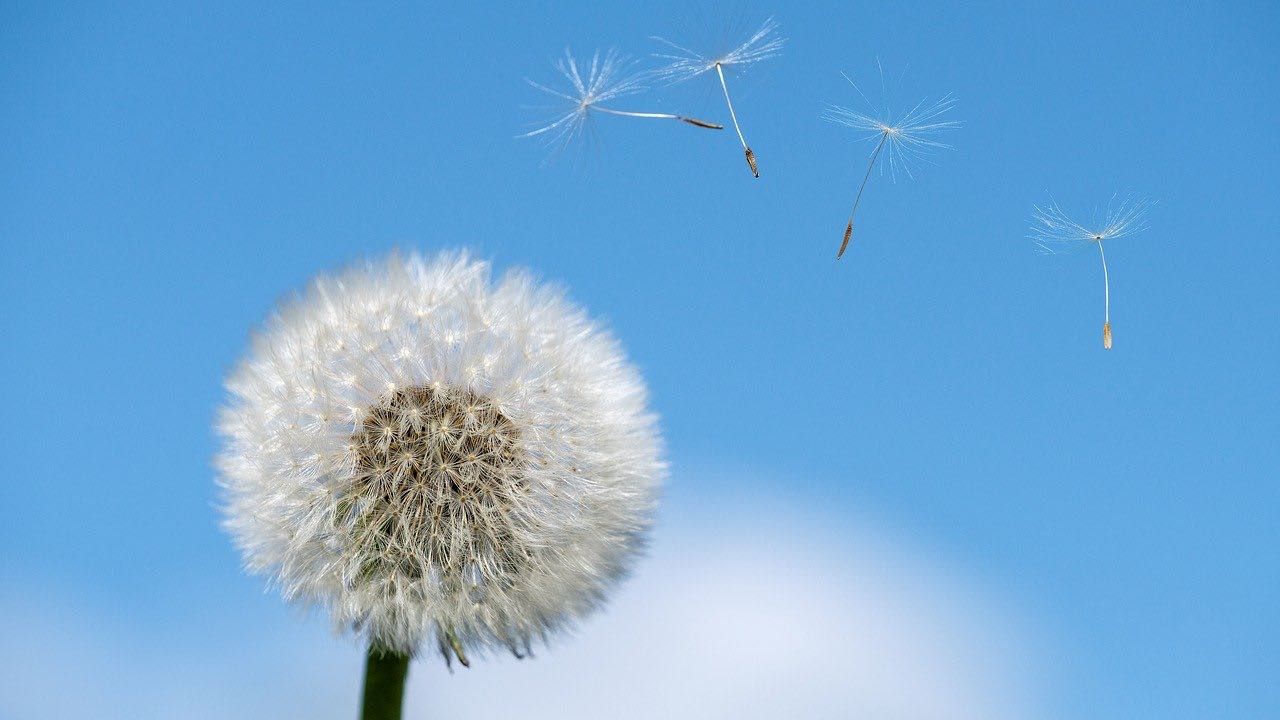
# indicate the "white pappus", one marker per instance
pixel 586 88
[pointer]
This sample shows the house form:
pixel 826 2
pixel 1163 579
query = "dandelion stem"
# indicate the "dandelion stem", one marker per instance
pixel 1106 285
pixel 1106 290
pixel 746 149
pixel 848 229
pixel 733 115
pixel 384 676
pixel 661 116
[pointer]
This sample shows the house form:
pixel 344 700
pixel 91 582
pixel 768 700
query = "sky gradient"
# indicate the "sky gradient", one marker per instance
pixel 938 402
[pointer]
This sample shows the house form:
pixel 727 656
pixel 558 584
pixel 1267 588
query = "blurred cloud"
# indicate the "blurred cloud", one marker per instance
pixel 755 611
pixel 751 611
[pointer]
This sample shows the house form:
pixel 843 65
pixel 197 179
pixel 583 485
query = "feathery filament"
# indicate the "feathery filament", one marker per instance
pixel 604 80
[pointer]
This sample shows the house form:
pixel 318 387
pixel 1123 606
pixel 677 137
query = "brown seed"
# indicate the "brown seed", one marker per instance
pixel 701 123
pixel 844 244
pixel 1106 335
pixel 751 162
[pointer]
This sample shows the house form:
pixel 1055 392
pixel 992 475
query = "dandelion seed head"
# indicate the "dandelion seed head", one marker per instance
pixel 683 63
pixel 433 456
pixel 1053 231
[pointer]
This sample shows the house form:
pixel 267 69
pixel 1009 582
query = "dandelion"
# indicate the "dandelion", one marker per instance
pixel 686 64
pixel 1054 232
pixel 907 137
pixel 606 79
pixel 437 460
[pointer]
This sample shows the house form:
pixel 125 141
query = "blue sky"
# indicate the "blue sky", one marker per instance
pixel 170 171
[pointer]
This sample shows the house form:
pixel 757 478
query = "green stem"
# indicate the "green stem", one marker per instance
pixel 384 674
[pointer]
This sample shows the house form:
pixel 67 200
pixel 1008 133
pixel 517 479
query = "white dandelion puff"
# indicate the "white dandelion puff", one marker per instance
pixel 587 88
pixel 902 137
pixel 435 457
pixel 685 64
pixel 1054 232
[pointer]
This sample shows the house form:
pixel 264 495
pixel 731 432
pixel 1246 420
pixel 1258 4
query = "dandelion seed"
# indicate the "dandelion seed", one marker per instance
pixel 1054 232
pixel 486 488
pixel 607 78
pixel 907 137
pixel 686 64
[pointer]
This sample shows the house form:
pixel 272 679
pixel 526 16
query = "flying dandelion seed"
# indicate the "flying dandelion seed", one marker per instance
pixel 433 456
pixel 606 79
pixel 686 64
pixel 1054 232
pixel 902 138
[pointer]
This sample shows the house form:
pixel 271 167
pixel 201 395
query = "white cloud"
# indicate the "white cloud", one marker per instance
pixel 753 611
pixel 759 613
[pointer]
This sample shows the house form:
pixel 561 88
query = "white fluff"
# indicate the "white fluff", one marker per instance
pixel 435 457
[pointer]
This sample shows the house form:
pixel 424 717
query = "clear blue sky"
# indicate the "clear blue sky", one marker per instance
pixel 169 171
